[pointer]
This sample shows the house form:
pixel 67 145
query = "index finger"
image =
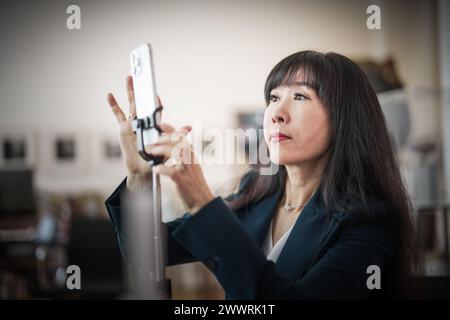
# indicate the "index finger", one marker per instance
pixel 130 93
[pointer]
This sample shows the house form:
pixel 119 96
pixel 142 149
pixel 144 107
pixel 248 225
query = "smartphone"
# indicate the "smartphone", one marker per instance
pixel 142 71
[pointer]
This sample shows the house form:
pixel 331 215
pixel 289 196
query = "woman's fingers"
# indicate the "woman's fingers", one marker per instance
pixel 165 170
pixel 163 150
pixel 177 149
pixel 164 138
pixel 130 92
pixel 174 137
pixel 186 128
pixel 159 102
pixel 167 128
pixel 120 116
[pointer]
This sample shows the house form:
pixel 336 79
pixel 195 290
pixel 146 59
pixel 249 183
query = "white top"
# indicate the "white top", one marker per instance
pixel 273 251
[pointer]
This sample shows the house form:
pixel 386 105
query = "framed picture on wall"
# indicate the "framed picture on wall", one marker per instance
pixel 17 147
pixel 105 152
pixel 110 149
pixel 63 151
pixel 65 148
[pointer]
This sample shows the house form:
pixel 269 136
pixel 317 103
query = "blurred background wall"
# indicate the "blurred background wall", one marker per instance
pixel 212 58
pixel 211 61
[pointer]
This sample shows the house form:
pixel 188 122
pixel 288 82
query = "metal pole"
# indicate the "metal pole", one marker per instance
pixel 159 232
pixel 160 240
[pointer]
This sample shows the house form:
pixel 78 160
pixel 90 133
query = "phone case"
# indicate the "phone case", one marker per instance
pixel 142 70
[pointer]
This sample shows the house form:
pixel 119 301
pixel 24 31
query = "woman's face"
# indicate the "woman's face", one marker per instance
pixel 296 125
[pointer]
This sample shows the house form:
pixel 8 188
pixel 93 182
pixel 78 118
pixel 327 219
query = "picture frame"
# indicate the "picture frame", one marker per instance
pixel 106 155
pixel 17 147
pixel 63 151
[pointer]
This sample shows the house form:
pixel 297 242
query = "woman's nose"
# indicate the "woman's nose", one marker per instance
pixel 277 119
pixel 280 116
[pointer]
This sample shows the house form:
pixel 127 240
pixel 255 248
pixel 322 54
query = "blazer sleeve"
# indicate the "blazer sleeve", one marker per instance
pixel 215 236
pixel 177 254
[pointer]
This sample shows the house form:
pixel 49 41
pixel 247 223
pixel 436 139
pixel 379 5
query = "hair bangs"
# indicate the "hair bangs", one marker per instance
pixel 306 68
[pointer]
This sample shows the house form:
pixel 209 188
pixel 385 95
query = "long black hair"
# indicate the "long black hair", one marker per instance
pixel 362 164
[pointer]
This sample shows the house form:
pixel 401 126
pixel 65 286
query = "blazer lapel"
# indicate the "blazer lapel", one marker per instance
pixel 309 229
pixel 257 220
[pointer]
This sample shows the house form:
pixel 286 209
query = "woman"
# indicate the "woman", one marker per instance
pixel 335 213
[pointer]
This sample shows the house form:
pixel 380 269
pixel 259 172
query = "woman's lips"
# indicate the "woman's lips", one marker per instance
pixel 278 137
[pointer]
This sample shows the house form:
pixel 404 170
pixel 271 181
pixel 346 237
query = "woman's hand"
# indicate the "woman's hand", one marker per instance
pixel 188 175
pixel 128 145
pixel 139 175
pixel 185 170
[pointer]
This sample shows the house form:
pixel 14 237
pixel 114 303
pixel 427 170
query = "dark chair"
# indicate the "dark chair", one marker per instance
pixel 93 247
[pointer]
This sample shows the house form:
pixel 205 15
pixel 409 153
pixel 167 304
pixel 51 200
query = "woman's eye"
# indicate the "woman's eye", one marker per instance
pixel 272 98
pixel 299 96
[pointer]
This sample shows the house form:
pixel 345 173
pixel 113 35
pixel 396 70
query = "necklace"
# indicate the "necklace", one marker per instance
pixel 290 207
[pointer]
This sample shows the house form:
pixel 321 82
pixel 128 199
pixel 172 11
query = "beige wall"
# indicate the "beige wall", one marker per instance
pixel 212 58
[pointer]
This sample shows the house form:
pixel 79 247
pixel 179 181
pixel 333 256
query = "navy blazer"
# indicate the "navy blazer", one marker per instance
pixel 326 255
